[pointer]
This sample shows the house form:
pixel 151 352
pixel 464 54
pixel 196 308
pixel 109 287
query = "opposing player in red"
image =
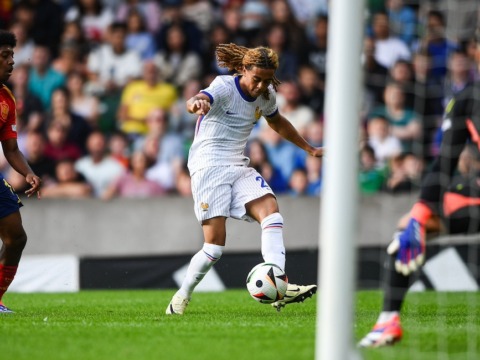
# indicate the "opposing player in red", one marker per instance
pixel 12 233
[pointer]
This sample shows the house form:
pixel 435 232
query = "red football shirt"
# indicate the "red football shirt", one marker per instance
pixel 8 115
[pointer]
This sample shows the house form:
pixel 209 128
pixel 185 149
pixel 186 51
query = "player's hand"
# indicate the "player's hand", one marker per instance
pixel 200 106
pixel 409 245
pixel 35 183
pixel 318 152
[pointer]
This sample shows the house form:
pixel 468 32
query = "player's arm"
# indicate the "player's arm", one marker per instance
pixel 18 162
pixel 199 104
pixel 285 128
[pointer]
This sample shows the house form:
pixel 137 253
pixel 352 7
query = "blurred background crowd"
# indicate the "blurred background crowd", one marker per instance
pixel 101 87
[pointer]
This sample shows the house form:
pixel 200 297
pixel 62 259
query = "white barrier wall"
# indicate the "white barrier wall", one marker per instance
pixel 165 226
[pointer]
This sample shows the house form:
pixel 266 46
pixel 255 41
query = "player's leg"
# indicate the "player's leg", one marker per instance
pixel 387 329
pixel 211 190
pixel 265 210
pixel 14 240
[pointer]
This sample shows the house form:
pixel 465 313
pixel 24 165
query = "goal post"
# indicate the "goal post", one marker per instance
pixel 338 212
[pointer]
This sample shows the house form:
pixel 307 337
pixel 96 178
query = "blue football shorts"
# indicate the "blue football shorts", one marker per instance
pixel 9 200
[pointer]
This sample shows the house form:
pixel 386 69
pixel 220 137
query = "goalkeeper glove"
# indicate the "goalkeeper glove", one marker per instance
pixel 409 244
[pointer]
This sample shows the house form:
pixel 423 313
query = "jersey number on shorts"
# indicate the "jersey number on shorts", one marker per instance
pixel 263 183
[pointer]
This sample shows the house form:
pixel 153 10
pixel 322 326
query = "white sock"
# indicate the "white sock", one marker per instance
pixel 273 250
pixel 386 316
pixel 199 265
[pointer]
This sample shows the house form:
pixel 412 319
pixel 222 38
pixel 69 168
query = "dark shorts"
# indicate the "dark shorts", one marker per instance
pixel 9 200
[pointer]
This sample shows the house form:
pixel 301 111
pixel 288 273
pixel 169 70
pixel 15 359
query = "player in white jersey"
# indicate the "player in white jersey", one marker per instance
pixel 223 185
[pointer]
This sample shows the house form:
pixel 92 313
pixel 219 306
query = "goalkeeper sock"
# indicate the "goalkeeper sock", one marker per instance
pixel 395 286
pixel 273 250
pixel 7 274
pixel 200 264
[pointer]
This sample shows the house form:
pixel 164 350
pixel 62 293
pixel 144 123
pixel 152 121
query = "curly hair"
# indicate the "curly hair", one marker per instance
pixel 7 38
pixel 234 57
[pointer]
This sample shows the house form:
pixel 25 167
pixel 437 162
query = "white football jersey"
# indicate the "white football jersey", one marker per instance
pixel 222 134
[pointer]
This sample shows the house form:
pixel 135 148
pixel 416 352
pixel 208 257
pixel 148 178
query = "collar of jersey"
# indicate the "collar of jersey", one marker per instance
pixel 244 96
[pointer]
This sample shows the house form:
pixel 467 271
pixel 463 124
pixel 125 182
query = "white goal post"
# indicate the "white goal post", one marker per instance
pixel 338 213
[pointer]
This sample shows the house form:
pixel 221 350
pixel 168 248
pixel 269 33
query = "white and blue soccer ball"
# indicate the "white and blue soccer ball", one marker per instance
pixel 267 283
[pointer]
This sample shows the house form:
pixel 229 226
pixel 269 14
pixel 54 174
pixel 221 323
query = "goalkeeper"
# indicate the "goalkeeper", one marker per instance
pixel 445 205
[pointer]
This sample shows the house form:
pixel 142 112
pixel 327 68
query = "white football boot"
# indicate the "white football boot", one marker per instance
pixel 295 293
pixel 177 305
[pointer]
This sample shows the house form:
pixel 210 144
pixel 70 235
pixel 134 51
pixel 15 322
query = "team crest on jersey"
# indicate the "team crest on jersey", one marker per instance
pixel 4 110
pixel 204 206
pixel 258 114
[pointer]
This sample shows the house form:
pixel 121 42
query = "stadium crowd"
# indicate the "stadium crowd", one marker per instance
pixel 101 87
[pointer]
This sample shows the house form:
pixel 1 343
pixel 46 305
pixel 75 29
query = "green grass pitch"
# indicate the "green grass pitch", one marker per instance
pixel 229 325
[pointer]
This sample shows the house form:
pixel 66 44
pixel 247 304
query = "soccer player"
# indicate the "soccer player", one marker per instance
pixel 12 233
pixel 223 185
pixel 446 204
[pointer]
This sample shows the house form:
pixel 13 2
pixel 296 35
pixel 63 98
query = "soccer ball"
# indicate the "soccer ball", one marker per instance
pixel 267 283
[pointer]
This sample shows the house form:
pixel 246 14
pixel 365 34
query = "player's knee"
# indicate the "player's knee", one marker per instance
pixel 272 220
pixel 17 242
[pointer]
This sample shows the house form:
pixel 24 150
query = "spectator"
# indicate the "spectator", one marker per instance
pixel 149 9
pixel 44 167
pixel 458 76
pixel 289 106
pixel 374 74
pixel 46 23
pixel 402 73
pixel 201 12
pixel 133 183
pixel 98 168
pixel 73 33
pixel 176 63
pixel 181 121
pixel 276 39
pixel 311 93
pixel 43 79
pixel 58 146
pixel 94 17
pixel 119 148
pixel 403 122
pixel 68 184
pixel 313 168
pixel 384 145
pixel 298 183
pixel 25 44
pixel 172 16
pixel 428 103
pixel 282 15
pixel 82 104
pixel 436 44
pixel 78 128
pixel 138 38
pixel 255 13
pixel 111 66
pixel 183 184
pixel 140 97
pixel 219 34
pixel 282 154
pixel 388 49
pixel 316 51
pixel 371 178
pixel 259 160
pixel 405 174
pixel 403 21
pixel 29 107
pixel 69 60
pixel 232 19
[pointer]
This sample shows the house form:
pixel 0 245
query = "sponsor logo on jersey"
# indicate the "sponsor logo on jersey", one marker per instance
pixel 14 127
pixel 446 124
pixel 204 206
